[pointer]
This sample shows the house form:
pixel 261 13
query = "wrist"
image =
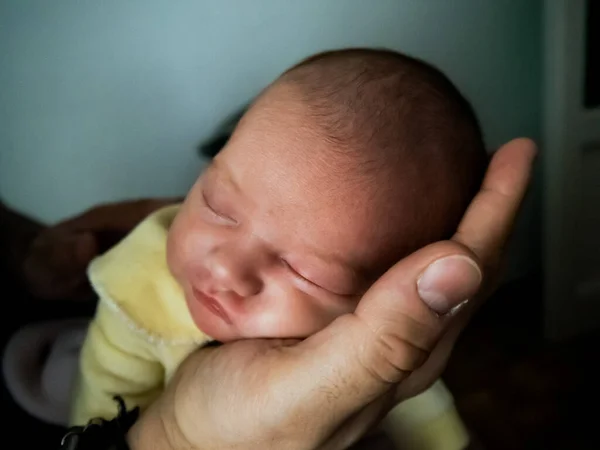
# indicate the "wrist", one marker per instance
pixel 102 434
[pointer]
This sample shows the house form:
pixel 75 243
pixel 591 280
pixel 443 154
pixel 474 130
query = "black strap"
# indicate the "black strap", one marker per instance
pixel 101 434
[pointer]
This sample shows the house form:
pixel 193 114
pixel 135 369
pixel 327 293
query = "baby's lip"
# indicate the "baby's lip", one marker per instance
pixel 212 304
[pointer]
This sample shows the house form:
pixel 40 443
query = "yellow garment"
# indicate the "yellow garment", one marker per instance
pixel 142 331
pixel 428 421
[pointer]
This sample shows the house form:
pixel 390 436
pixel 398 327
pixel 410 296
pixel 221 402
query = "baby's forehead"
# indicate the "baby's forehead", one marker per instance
pixel 304 194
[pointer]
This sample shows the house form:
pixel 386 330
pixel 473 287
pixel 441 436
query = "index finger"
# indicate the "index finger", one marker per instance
pixel 489 220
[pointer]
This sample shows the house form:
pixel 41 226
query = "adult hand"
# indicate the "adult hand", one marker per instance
pixel 57 259
pixel 330 389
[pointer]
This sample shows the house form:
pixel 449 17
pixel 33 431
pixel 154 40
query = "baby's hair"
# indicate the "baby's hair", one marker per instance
pixel 402 115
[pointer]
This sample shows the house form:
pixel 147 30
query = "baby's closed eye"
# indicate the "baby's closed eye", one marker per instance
pixel 327 280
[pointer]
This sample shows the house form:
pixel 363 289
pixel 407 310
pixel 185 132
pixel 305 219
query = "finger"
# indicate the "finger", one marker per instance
pixel 420 289
pixel 489 219
pixel 484 229
pixel 422 378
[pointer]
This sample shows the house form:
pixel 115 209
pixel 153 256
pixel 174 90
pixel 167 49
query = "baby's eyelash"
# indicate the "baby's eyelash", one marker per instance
pixel 306 280
pixel 295 272
pixel 301 277
pixel 215 212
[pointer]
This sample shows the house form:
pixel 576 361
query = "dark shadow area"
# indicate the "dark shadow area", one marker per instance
pixel 517 391
pixel 592 56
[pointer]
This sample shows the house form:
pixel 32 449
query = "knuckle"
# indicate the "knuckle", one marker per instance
pixel 390 358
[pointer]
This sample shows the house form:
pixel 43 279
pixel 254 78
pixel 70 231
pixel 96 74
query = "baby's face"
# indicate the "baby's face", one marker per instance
pixel 275 239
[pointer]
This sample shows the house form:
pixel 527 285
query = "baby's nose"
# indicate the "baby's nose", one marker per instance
pixel 234 273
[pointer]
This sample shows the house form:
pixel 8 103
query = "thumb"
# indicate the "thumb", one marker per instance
pixel 396 325
pixel 407 310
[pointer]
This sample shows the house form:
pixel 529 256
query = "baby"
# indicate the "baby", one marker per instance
pixel 349 161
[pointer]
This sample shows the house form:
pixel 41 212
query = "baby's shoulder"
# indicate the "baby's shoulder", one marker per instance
pixel 134 280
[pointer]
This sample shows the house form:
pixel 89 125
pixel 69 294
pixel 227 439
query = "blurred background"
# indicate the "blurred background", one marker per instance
pixel 110 101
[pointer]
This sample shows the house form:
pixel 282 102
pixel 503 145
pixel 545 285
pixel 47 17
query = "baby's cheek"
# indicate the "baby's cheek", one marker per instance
pixel 187 246
pixel 297 317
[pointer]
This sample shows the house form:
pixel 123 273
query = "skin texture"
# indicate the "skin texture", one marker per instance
pixel 285 231
pixel 329 390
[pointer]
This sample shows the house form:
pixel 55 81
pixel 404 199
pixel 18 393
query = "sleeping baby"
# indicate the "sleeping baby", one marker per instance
pixel 349 161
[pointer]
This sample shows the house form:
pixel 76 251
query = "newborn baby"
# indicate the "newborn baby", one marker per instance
pixel 348 162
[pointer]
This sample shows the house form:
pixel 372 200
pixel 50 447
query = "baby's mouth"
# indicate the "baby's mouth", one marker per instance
pixel 212 304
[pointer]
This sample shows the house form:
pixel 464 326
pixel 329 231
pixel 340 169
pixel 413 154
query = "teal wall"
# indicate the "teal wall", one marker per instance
pixel 105 100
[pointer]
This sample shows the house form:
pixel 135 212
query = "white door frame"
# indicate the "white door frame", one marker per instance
pixel 571 133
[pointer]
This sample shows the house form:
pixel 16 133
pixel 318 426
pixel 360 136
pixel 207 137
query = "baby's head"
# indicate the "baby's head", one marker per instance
pixel 349 161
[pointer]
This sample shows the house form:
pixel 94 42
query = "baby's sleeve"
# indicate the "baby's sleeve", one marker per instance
pixel 429 421
pixel 116 359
